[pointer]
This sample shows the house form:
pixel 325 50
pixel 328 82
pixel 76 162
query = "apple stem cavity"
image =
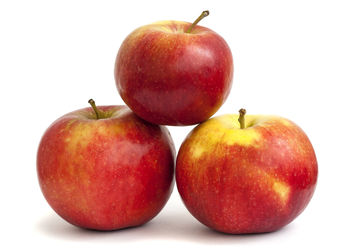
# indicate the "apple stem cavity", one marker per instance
pixel 241 118
pixel 203 15
pixel 96 110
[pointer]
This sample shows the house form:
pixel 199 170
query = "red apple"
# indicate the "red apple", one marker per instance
pixel 174 73
pixel 246 179
pixel 105 168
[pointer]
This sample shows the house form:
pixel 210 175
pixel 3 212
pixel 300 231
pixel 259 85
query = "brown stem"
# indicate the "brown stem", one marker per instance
pixel 97 111
pixel 203 15
pixel 241 118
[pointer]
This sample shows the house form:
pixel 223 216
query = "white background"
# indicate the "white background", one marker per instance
pixel 292 58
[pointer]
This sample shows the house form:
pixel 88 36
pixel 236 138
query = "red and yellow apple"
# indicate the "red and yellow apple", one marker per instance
pixel 246 174
pixel 105 168
pixel 174 73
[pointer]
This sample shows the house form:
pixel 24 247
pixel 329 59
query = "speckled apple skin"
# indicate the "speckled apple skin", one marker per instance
pixel 106 174
pixel 249 180
pixel 170 77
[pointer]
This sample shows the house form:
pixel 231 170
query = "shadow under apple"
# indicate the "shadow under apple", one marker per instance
pixel 174 224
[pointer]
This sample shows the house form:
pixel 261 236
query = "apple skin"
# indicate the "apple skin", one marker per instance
pixel 106 174
pixel 169 77
pixel 251 180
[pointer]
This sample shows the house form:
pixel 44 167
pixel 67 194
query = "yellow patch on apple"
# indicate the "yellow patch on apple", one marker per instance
pixel 283 190
pixel 222 130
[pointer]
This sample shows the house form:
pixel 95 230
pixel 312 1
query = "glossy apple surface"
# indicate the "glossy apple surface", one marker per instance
pixel 108 173
pixel 251 180
pixel 170 77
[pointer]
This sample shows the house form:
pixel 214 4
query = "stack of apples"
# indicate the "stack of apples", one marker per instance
pixel 112 167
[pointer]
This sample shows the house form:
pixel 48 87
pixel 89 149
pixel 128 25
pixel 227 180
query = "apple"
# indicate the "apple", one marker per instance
pixel 105 168
pixel 174 73
pixel 246 174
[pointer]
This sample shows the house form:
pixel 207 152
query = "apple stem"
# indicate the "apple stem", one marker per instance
pixel 203 15
pixel 97 111
pixel 241 119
